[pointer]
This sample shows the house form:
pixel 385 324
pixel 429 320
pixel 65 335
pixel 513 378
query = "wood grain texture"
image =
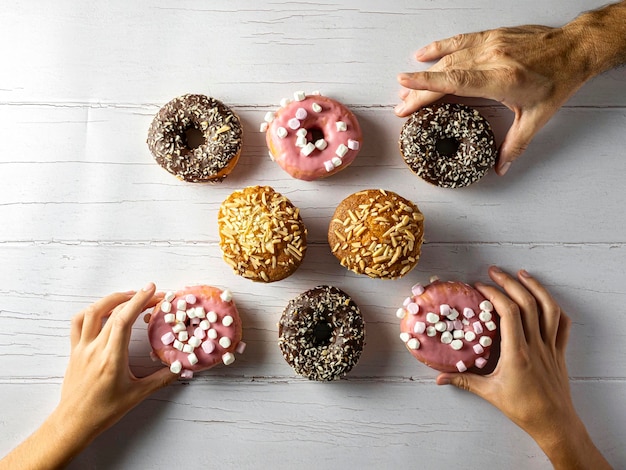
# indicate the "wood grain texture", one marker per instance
pixel 85 211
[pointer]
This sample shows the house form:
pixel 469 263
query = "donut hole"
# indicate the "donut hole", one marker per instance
pixel 194 138
pixel 322 333
pixel 447 146
pixel 315 134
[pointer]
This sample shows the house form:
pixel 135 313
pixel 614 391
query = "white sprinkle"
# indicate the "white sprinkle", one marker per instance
pixel 486 305
pixel 208 347
pixel 441 326
pixel 444 310
pixel 284 102
pixel 269 116
pixel 316 107
pixel 341 151
pixel 178 345
pixel 461 367
pixel 430 331
pixel 329 166
pixel 199 333
pixel 336 161
pixel 485 341
pixel 417 289
pixel 400 313
pixel 432 317
pixel 205 325
pixel 211 316
pixel 341 126
pixel 293 123
pixel 491 325
pixel 307 149
pixel 480 362
pixel 446 337
pixel 468 312
pixel 301 114
pixel 181 305
pixel 178 327
pixel 263 127
pixel 187 348
pixel 353 144
pixel 456 344
pixel 166 307
pixel 470 336
pixel 478 349
pixel 454 314
pixel 227 320
pixel 478 327
pixel 413 308
pixel 405 337
pixel 433 278
pixel 169 318
pixel 484 316
pixel 413 343
pixel 193 359
pixel 183 336
pixel 168 338
pixel 176 367
pixel 299 95
pixel 419 327
pixel 212 334
pixel 169 296
pixel 226 295
pixel 271 156
pixel 458 334
pixel 228 358
pixel 321 144
pixel 194 341
pixel 181 315
pixel 281 132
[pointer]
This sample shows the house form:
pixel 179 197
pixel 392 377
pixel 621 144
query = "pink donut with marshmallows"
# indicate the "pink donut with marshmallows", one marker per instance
pixel 312 136
pixel 448 326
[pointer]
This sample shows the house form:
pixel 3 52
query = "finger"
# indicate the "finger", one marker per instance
pixel 515 142
pixel 550 312
pixel 157 381
pixel 76 327
pixel 414 100
pixel 98 311
pixel 437 49
pixel 477 384
pixel 120 325
pixel 562 335
pixel 475 83
pixel 524 300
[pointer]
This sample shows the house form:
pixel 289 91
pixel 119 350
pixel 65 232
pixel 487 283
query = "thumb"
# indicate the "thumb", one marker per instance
pixel 516 141
pixel 157 380
pixel 466 381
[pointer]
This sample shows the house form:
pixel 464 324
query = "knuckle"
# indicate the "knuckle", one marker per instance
pixel 458 40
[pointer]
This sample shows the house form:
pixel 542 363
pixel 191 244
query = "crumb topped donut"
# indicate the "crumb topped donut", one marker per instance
pixel 448 145
pixel 448 326
pixel 322 333
pixel 262 235
pixel 195 329
pixel 312 136
pixel 377 233
pixel 196 138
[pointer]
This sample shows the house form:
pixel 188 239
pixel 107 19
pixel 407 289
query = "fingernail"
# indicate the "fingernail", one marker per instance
pixel 403 76
pixel 524 273
pixel 502 169
pixel 399 108
pixel 496 269
pixel 444 381
pixel 419 53
pixel 148 287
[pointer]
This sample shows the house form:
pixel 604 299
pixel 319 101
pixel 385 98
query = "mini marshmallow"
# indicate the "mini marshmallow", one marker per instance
pixel 407 301
pixel 190 299
pixel 183 336
pixel 178 345
pixel 413 308
pixel 269 116
pixel 293 123
pixel 484 316
pixel 263 126
pixel 458 325
pixel 200 313
pixel 417 289
pixel 486 305
pixel 307 149
pixel 430 331
pixel 181 305
pixel 178 327
pixel 191 313
pixel 301 114
pixel 181 316
pixel 166 307
pixel 168 338
pixel 208 347
pixel 446 337
pixel 241 347
pixel 480 362
pixel 336 161
pixel 301 141
pixel 176 367
pixel 444 310
pixel 321 144
pixel 194 322
pixel 441 326
pixel 187 348
pixel 226 295
pixel 269 154
pixel 456 344
pixel 281 132
pixel 453 315
pixel 199 333
pixel 449 325
pixel 460 366
pixel 301 132
pixel 341 151
pixel 485 341
pixel 328 165
pixel 211 316
pixel 192 358
pixel 405 337
pixel 353 144
pixel 284 102
pixel 228 358
pixel 432 317
pixel 169 296
pixel 341 126
pixel 478 327
pixel 194 342
pixel 205 325
pixel 491 325
pixel 299 95
pixel 433 278
pixel 316 107
pixel 227 320
pixel 419 327
pixel 212 334
pixel 169 318
pixel 316 92
pixel 470 336
pixel 186 374
pixel 458 334
pixel 468 312
pixel 413 343
pixel 478 349
pixel 400 313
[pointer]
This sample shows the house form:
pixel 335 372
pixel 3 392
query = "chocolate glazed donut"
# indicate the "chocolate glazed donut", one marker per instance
pixel 448 145
pixel 322 333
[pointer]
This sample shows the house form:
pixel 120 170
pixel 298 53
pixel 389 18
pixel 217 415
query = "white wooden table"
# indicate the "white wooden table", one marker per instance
pixel 82 204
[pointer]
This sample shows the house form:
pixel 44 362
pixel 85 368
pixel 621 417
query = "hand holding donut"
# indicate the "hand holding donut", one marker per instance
pixel 530 384
pixel 532 70
pixel 99 387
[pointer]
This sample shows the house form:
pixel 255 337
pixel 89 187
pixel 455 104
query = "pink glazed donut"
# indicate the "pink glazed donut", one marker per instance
pixel 448 326
pixel 195 329
pixel 312 136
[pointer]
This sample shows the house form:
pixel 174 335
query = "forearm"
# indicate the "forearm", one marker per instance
pixel 600 37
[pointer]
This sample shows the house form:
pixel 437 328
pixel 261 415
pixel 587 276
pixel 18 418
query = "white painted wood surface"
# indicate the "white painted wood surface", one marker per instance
pixel 82 206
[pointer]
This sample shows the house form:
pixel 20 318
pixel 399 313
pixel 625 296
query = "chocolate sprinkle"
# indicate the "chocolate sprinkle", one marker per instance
pixel 313 355
pixel 476 151
pixel 220 129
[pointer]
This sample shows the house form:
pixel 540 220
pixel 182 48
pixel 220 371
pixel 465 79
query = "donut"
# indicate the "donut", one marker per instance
pixel 312 136
pixel 448 326
pixel 448 145
pixel 262 236
pixel 195 329
pixel 321 333
pixel 377 233
pixel 196 138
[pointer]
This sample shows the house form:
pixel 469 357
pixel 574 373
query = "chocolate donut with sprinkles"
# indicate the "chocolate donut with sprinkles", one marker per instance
pixel 448 145
pixel 195 329
pixel 312 136
pixel 448 326
pixel 322 333
pixel 196 138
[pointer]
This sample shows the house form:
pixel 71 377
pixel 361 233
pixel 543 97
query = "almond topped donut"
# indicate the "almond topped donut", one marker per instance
pixel 312 136
pixel 195 329
pixel 448 326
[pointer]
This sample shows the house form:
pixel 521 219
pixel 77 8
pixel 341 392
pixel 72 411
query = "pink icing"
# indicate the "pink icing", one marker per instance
pixel 432 351
pixel 313 166
pixel 209 298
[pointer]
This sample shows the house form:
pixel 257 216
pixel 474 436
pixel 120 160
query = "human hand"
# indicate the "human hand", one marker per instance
pixel 530 384
pixel 532 70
